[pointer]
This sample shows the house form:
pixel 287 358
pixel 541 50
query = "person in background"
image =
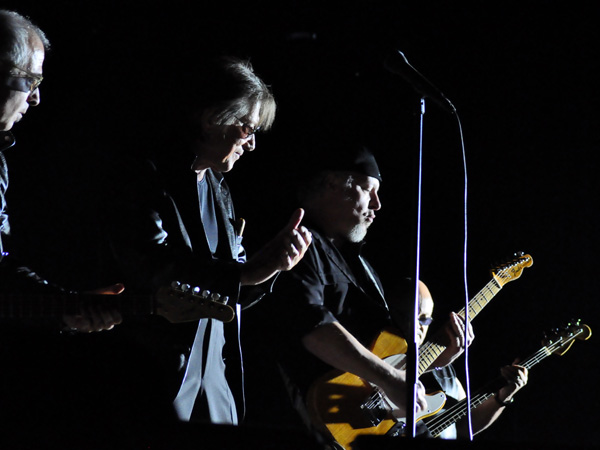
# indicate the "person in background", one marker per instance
pixel 445 378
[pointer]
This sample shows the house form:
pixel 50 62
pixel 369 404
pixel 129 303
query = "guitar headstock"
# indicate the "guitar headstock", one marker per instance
pixel 182 303
pixel 512 270
pixel 560 340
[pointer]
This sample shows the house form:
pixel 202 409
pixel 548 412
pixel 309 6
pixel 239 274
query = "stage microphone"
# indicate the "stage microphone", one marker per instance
pixel 399 65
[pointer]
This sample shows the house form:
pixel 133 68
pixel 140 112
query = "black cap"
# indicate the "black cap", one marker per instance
pixel 353 158
pixel 339 155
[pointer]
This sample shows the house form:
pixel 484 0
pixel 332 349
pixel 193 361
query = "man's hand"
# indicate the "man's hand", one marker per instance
pixel 396 392
pixel 96 317
pixel 453 338
pixel 283 252
pixel 516 378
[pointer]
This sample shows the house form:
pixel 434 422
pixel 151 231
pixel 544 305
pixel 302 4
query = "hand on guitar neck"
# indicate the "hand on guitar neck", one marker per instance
pixel 97 316
pixel 516 377
pixel 449 342
pixel 452 337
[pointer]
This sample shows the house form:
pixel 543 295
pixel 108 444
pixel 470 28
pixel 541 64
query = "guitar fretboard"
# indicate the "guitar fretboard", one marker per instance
pixel 430 351
pixel 36 306
pixel 449 417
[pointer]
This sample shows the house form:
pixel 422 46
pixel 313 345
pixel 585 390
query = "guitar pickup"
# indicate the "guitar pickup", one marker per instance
pixel 374 409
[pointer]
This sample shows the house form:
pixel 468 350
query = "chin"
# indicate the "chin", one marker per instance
pixel 225 166
pixel 357 234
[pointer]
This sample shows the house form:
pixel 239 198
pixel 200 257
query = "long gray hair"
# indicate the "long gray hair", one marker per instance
pixel 227 89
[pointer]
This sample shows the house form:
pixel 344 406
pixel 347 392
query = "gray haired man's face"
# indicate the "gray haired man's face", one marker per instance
pixel 15 103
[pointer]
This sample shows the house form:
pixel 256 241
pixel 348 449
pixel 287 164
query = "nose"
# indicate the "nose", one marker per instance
pixel 375 203
pixel 250 143
pixel 34 98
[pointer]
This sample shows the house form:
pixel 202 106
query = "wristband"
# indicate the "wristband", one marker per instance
pixel 503 403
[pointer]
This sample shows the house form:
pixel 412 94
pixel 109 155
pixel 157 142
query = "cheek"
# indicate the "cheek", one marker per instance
pixel 15 102
pixel 220 144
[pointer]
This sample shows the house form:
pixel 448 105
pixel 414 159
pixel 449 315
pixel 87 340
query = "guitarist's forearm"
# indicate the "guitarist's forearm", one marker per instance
pixel 481 417
pixel 334 345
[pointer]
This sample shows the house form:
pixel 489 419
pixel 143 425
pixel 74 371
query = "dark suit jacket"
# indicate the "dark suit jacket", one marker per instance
pixel 157 237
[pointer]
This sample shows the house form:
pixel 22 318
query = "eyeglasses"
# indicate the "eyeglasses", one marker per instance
pixel 425 321
pixel 28 83
pixel 247 129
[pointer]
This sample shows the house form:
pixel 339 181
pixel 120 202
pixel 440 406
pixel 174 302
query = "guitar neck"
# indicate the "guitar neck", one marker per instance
pixel 446 419
pixel 452 415
pixel 430 351
pixel 38 306
pixel 481 299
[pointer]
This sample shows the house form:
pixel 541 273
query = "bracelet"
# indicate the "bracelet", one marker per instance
pixel 503 403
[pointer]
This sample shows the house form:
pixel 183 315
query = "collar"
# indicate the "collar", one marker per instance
pixel 7 140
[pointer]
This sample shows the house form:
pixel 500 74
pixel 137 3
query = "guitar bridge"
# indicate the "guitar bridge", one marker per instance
pixel 374 408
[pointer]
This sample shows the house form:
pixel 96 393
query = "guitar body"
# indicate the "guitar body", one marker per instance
pixel 346 406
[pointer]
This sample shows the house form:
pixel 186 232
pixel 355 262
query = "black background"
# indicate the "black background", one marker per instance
pixel 522 76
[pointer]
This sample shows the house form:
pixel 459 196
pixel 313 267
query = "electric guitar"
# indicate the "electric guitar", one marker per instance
pixel 177 303
pixel 346 406
pixel 559 344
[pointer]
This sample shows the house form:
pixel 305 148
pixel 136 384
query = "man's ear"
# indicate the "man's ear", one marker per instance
pixel 205 120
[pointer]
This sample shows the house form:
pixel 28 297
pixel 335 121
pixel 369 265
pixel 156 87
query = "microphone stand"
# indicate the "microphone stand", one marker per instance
pixel 412 353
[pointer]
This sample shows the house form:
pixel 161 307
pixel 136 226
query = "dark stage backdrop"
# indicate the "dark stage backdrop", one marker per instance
pixel 522 75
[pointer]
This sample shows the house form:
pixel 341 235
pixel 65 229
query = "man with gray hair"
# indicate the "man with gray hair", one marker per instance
pixel 179 223
pixel 22 50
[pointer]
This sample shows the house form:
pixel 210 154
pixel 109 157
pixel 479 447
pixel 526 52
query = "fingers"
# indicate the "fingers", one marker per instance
pixel 114 289
pixel 421 400
pixel 93 318
pixel 295 243
pixel 301 238
pixel 515 374
pixel 295 220
pixel 457 331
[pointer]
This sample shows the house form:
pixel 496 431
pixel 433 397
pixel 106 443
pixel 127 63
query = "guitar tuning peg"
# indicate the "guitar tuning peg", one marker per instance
pixel 175 285
pixel 219 298
pixel 205 293
pixel 185 287
pixel 196 290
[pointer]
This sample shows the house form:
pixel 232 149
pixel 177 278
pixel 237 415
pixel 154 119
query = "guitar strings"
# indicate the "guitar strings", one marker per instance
pixel 450 416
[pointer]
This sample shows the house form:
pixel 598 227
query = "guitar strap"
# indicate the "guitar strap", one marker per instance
pixel 374 281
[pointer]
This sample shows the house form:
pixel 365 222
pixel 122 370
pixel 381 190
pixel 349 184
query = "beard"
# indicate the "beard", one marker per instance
pixel 357 233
